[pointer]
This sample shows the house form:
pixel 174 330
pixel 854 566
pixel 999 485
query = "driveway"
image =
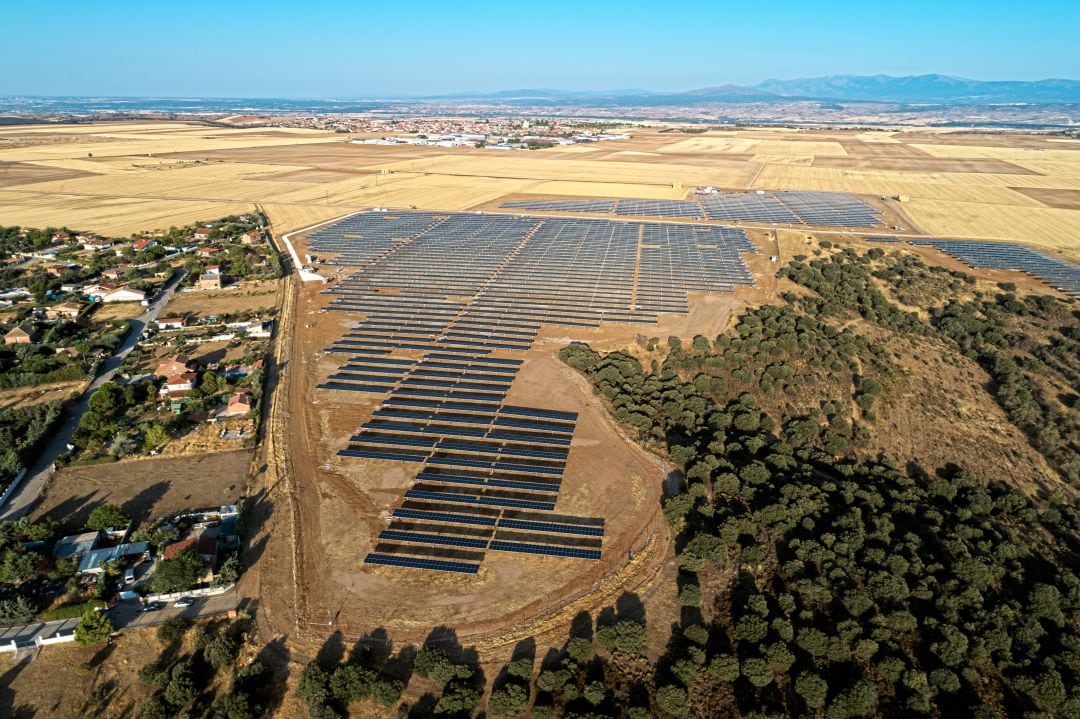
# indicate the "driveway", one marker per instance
pixel 129 614
pixel 20 502
pixel 125 615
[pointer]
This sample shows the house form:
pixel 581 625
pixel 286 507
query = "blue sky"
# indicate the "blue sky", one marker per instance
pixel 316 48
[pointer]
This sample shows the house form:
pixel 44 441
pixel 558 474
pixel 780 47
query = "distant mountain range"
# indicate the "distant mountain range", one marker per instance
pixel 918 93
pixel 931 89
pixel 924 88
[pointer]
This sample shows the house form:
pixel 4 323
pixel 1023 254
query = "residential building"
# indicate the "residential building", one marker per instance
pixel 178 385
pixel 94 562
pixel 23 334
pixel 206 252
pixel 94 244
pixel 173 366
pixel 124 294
pixel 115 273
pixel 260 328
pixel 239 404
pixel 172 323
pixel 209 281
pixel 144 244
pixel 201 544
pixel 76 545
pixel 96 292
pixel 64 311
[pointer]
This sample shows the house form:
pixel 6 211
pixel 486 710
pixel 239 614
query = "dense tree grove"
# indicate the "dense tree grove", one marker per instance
pixel 22 431
pixel 853 589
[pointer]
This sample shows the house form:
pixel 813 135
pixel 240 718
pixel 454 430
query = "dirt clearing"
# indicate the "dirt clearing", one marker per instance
pixel 252 297
pixel 146 487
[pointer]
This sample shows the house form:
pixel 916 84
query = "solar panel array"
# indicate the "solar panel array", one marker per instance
pixel 440 299
pixel 460 283
pixel 1057 273
pixel 819 209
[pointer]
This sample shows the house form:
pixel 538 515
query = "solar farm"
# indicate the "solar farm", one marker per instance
pixel 445 306
pixel 818 209
pixel 1059 274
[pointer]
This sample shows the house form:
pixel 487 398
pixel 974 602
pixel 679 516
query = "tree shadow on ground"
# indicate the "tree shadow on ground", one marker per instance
pixel 8 704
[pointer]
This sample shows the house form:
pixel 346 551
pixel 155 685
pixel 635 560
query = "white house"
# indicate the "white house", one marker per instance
pixel 178 385
pixel 124 294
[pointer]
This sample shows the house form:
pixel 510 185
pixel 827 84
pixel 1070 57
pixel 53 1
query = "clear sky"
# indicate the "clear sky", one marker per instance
pixel 324 48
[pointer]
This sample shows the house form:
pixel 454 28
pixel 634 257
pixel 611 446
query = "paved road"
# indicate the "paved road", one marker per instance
pixel 20 502
pixel 127 615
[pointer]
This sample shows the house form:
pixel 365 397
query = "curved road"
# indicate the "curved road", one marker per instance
pixel 37 476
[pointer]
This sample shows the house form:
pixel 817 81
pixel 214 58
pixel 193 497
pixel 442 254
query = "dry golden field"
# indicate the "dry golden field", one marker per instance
pixel 121 177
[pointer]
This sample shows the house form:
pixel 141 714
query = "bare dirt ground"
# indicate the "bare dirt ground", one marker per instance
pixel 146 488
pixel 1061 199
pixel 117 311
pixel 47 683
pixel 27 396
pixel 341 504
pixel 342 155
pixel 206 438
pixel 930 413
pixel 249 296
pixel 899 163
pixel 24 173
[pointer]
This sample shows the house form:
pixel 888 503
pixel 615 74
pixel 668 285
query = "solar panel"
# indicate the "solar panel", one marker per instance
pixel 526 548
pixel 417 563
pixel 466 292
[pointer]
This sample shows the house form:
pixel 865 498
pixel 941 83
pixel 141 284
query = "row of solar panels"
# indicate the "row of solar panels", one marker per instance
pixel 824 209
pixel 1059 274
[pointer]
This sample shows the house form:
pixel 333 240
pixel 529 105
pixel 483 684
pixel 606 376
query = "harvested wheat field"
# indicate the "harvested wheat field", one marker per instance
pixel 122 177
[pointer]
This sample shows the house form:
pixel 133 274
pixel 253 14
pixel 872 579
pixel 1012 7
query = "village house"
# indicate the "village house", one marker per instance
pixel 61 236
pixel 250 238
pixel 206 252
pixel 239 404
pixel 94 244
pixel 144 244
pixel 173 366
pixel 114 273
pixel 95 561
pixel 260 328
pixel 203 545
pixel 124 294
pixel 202 234
pixel 212 270
pixel 76 545
pixel 209 281
pixel 172 323
pixel 96 292
pixel 178 385
pixel 22 334
pixel 64 311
